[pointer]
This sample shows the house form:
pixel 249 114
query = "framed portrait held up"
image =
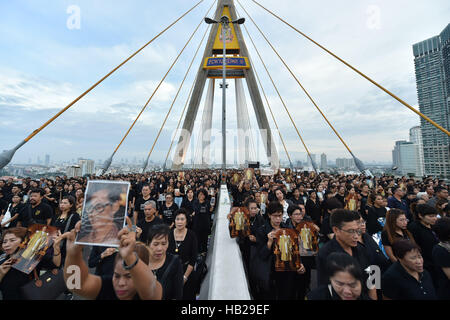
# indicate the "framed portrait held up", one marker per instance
pixel 104 212
pixel 239 224
pixel 286 250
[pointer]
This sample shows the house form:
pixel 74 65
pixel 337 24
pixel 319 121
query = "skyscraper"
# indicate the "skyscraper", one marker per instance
pixel 415 136
pixel 47 160
pixel 405 156
pixel 432 66
pixel 86 166
pixel 323 162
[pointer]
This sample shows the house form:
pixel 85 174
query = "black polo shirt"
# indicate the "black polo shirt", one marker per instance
pixel 398 284
pixel 358 252
pixel 41 213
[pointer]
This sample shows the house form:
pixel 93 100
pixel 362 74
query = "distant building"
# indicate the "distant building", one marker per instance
pixel 406 157
pixel 74 171
pixel 87 166
pixel 342 163
pixel 432 67
pixel 323 162
pixel 415 136
pixel 47 160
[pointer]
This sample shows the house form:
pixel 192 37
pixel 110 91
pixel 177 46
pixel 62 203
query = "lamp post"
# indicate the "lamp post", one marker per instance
pixel 224 21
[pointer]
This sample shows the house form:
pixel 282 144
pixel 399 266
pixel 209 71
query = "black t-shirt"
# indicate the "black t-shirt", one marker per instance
pixel 3 206
pixel 426 239
pixel 373 226
pixel 139 207
pixel 41 213
pixel 18 209
pixel 397 284
pixel 441 259
pixel 385 239
pixel 170 276
pixel 107 290
pixel 145 226
pixel 326 292
pixel 168 213
pixel 358 252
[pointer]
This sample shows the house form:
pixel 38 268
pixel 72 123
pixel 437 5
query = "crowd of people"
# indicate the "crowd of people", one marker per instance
pixel 399 225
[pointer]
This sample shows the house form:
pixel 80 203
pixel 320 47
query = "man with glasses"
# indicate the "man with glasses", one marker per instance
pixel 347 230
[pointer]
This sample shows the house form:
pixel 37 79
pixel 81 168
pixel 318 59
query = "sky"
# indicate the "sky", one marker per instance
pixel 52 51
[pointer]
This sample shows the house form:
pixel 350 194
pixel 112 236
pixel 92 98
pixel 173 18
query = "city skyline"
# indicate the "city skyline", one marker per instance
pixel 45 73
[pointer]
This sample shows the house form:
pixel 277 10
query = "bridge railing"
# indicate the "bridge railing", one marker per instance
pixel 226 278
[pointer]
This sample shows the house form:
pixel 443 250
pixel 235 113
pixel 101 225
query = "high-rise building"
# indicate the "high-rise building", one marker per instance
pixel 87 166
pixel 415 136
pixel 432 66
pixel 342 163
pixel 406 158
pixel 74 171
pixel 47 160
pixel 323 162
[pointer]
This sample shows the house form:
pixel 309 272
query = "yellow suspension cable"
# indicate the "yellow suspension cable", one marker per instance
pixel 179 89
pixel 359 72
pixel 35 132
pixel 278 92
pixel 162 80
pixel 304 90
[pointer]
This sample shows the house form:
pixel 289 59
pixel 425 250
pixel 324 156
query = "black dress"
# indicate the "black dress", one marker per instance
pixel 170 276
pixel 202 224
pixel 187 250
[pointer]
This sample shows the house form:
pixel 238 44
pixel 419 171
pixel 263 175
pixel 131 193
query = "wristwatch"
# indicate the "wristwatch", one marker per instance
pixel 133 265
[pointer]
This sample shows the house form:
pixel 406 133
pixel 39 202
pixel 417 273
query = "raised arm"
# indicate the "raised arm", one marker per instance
pixel 90 284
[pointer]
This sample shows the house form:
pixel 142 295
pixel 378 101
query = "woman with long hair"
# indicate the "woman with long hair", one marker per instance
pixel 394 229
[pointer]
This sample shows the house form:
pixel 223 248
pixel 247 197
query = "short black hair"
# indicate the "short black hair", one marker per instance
pixel 340 216
pixel 158 230
pixel 250 200
pixel 332 203
pixel 401 247
pixel 38 190
pixel 184 212
pixel 442 229
pixel 342 262
pixel 292 208
pixel 425 209
pixel 273 207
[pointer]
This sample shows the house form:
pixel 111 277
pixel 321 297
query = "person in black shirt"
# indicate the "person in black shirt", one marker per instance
pixel 150 220
pixel 102 259
pixel 441 258
pixel 341 195
pixel 3 203
pixel 325 227
pixel 424 236
pixel 11 280
pixel 166 267
pixel 202 220
pixel 188 204
pixel 168 210
pixel 183 242
pixel 39 212
pixel 138 214
pixel 346 281
pixel 296 198
pixel 16 212
pixel 394 229
pixel 313 207
pixel 407 279
pixel 346 229
pixel 132 278
pixel 376 211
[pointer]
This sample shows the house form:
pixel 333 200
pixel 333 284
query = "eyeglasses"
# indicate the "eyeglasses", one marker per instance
pixel 353 231
pixel 99 207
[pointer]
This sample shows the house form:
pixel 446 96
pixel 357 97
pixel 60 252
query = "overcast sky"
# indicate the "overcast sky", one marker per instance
pixel 47 59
